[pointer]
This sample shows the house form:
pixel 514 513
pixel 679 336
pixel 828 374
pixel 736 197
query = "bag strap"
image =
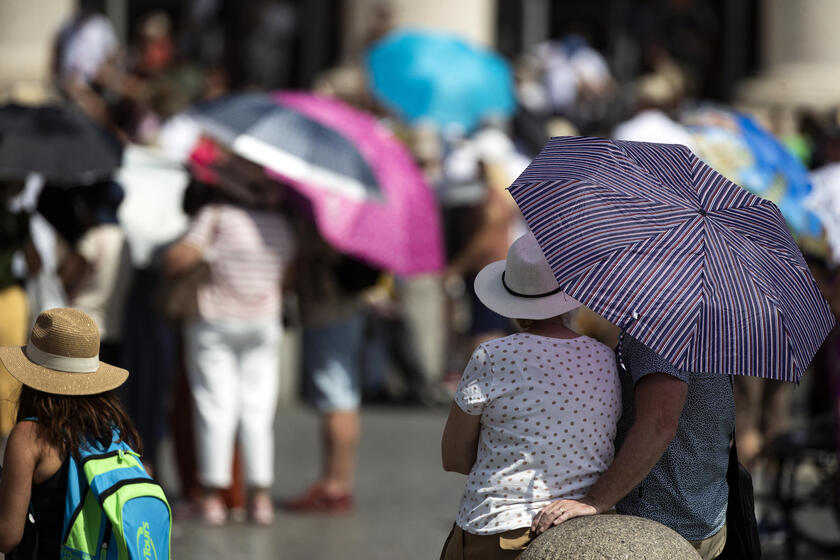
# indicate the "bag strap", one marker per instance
pixel 734 451
pixel 215 211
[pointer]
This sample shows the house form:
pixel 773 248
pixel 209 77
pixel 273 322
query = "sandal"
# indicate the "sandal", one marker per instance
pixel 262 510
pixel 316 499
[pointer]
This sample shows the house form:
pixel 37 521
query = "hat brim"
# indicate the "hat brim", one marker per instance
pixel 105 378
pixel 492 293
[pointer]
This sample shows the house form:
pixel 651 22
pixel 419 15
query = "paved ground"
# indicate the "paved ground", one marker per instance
pixel 405 501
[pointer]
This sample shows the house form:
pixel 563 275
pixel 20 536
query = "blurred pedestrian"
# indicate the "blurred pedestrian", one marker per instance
pixel 493 223
pixel 86 56
pixel 389 341
pixel 232 346
pixel 329 286
pixel 96 269
pixel 656 101
pixel 15 241
pixel 542 403
pixel 85 45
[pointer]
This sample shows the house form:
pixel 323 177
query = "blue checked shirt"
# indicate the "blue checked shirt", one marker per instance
pixel 687 489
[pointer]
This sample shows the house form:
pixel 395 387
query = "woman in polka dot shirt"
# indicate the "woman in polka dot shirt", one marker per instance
pixel 534 416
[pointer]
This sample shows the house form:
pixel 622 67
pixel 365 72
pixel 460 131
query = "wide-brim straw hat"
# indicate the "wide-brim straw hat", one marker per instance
pixel 523 286
pixel 62 356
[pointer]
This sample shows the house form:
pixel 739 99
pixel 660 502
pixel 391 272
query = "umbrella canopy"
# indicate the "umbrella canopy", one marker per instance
pixel 654 240
pixel 824 202
pixel 426 76
pixel 59 142
pixel 747 154
pixel 369 197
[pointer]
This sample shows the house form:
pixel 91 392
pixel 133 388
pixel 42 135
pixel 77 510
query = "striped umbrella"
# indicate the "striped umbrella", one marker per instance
pixel 692 265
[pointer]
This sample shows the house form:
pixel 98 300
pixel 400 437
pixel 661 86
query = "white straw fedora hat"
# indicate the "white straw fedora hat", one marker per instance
pixel 62 356
pixel 523 286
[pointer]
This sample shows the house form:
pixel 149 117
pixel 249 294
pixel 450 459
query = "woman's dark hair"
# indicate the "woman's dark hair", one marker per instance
pixel 68 421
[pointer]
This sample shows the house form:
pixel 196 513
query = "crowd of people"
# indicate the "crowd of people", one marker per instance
pixel 206 363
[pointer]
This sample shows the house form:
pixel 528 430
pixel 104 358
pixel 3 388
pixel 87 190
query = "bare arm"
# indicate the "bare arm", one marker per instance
pixel 460 440
pixel 72 270
pixel 659 403
pixel 19 465
pixel 180 258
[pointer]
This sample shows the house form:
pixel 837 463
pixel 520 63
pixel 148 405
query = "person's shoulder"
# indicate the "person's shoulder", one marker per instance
pixel 642 360
pixel 596 344
pixel 496 346
pixel 24 438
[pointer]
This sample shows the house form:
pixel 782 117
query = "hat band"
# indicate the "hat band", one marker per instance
pixel 61 363
pixel 517 294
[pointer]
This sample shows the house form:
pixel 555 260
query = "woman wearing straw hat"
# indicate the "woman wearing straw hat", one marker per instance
pixel 67 399
pixel 535 413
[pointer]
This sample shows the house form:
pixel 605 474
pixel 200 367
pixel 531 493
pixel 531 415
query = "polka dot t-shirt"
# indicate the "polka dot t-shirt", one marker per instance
pixel 549 409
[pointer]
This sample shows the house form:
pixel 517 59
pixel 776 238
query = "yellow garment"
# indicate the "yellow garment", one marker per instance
pixel 13 322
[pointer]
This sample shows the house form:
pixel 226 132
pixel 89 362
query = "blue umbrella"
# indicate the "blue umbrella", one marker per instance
pixel 746 153
pixel 430 76
pixel 699 269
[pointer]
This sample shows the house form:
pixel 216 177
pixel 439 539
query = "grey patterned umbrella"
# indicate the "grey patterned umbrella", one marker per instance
pixel 59 142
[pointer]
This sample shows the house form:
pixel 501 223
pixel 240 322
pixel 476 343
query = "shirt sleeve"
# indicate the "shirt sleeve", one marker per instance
pixel 200 231
pixel 473 391
pixel 641 360
pixel 88 246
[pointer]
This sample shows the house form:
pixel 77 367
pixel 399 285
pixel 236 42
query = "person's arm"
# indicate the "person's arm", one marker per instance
pixel 460 440
pixel 187 252
pixel 659 400
pixel 180 258
pixel 72 270
pixel 459 444
pixel 19 464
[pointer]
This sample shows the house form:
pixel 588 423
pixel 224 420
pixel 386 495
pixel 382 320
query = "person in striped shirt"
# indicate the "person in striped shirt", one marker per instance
pixel 232 347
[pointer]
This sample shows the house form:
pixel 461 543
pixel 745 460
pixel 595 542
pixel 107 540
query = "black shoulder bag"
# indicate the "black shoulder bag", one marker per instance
pixel 742 542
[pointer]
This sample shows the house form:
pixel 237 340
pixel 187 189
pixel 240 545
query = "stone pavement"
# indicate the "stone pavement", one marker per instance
pixel 405 502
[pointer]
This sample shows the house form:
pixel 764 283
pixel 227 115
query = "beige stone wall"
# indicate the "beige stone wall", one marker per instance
pixel 800 55
pixel 472 19
pixel 26 37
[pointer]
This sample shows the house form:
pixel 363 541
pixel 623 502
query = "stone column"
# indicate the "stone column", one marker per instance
pixel 26 42
pixel 800 55
pixel 475 20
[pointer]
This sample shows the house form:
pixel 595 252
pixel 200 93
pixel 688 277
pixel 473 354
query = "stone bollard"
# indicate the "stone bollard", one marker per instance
pixel 610 537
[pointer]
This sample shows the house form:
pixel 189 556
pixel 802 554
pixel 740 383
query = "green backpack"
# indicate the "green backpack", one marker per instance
pixel 114 509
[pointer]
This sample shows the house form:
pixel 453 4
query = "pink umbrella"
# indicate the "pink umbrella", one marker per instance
pixel 394 225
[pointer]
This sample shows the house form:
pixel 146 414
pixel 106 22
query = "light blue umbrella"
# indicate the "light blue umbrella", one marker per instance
pixel 739 148
pixel 429 76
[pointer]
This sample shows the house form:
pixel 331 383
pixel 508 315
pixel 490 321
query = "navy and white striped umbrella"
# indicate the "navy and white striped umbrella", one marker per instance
pixel 260 129
pixel 687 262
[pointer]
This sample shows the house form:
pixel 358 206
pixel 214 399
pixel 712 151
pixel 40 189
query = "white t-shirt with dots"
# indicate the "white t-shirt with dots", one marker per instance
pixel 549 409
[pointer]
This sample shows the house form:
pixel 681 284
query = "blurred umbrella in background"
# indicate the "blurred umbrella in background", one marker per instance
pixel 59 142
pixel 824 202
pixel 368 196
pixel 747 154
pixel 426 76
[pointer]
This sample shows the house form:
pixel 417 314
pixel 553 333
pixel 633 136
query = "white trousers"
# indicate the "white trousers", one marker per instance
pixel 233 369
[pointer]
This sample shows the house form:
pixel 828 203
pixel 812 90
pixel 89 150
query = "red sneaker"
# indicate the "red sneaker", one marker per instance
pixel 316 499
